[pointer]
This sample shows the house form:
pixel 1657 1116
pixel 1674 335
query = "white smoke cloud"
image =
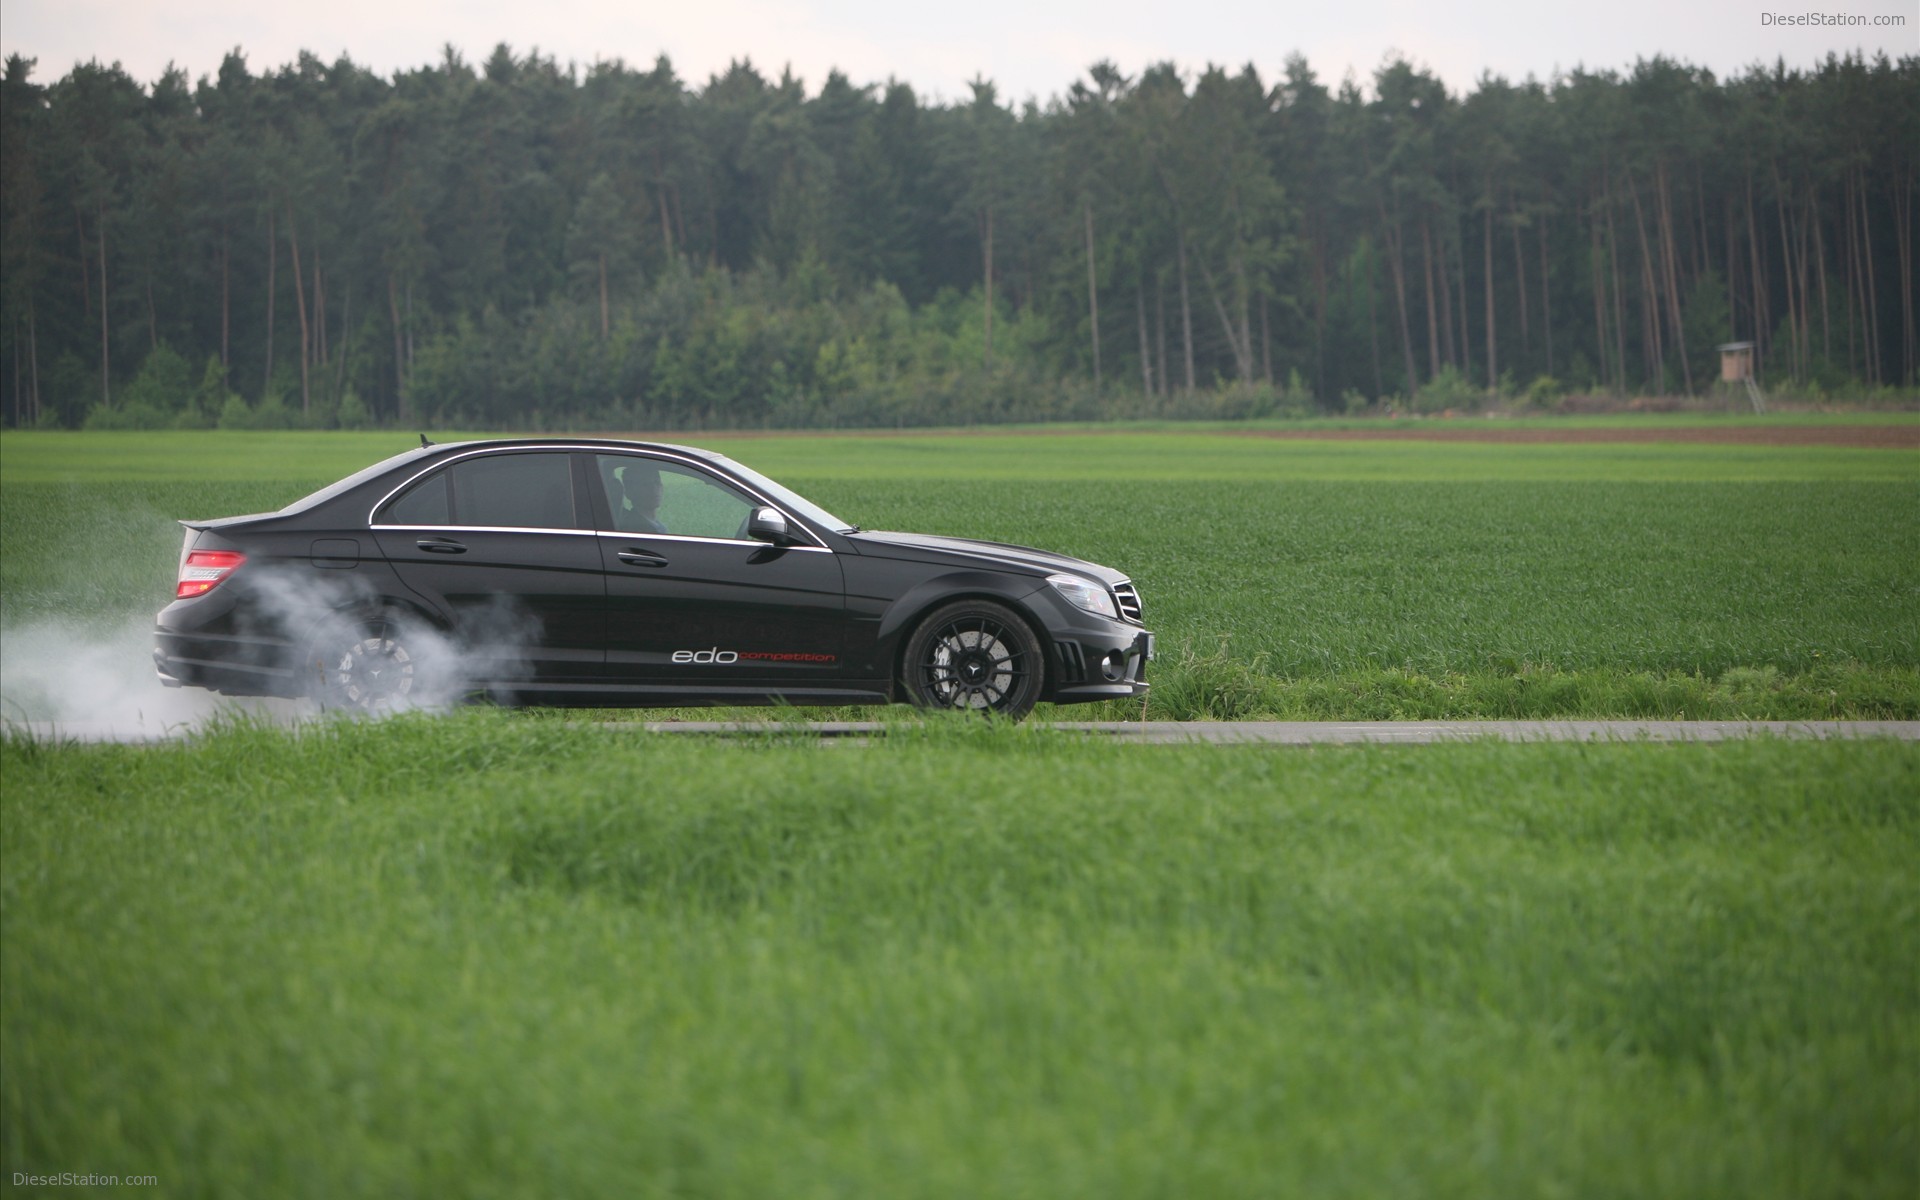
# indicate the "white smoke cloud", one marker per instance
pixel 364 656
pixel 96 681
pixel 67 679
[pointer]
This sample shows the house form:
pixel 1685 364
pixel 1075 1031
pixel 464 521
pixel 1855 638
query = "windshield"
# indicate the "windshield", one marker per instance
pixel 787 498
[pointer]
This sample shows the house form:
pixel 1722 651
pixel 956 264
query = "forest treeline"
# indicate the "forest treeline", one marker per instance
pixel 524 244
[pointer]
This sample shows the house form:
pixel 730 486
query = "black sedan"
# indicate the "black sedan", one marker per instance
pixel 627 574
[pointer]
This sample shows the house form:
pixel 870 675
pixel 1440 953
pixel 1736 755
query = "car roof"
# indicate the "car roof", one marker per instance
pixel 428 453
pixel 610 443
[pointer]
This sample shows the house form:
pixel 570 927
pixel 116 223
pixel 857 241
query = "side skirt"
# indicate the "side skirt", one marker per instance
pixel 655 695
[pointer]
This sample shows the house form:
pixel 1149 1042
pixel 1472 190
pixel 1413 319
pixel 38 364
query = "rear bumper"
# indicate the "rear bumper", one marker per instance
pixel 236 666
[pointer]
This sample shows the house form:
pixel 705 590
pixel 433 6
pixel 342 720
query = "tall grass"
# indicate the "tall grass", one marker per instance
pixel 491 956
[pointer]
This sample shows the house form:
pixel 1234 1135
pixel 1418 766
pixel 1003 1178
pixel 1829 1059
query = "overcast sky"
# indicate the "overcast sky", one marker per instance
pixel 1029 47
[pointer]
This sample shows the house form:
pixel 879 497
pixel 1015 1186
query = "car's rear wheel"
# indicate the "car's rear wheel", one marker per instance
pixel 369 665
pixel 976 656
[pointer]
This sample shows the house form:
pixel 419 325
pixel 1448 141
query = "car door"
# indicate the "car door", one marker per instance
pixel 502 545
pixel 692 599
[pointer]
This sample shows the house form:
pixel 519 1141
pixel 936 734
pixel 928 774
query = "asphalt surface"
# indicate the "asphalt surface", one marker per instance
pixel 1278 733
pixel 1306 733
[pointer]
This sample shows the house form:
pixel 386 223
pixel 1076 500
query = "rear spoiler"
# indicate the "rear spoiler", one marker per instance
pixel 218 522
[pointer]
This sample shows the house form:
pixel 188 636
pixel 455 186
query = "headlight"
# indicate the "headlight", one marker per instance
pixel 1083 594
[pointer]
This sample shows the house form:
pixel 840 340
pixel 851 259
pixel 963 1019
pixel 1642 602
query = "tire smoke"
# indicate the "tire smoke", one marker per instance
pixel 69 679
pixel 346 652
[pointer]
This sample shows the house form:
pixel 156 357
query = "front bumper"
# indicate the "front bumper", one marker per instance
pixel 1090 657
pixel 1100 669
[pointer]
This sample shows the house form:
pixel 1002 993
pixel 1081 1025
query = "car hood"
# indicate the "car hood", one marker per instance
pixel 929 548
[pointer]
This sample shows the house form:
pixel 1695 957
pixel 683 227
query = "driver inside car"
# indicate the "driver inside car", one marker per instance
pixel 633 492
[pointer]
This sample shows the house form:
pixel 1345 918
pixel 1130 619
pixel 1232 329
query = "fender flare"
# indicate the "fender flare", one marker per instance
pixel 913 605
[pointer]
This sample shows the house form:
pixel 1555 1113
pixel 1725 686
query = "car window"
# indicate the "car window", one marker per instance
pixel 649 496
pixel 516 491
pixel 779 493
pixel 425 503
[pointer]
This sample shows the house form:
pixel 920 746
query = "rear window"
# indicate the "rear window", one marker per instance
pixel 425 503
pixel 508 491
pixel 519 491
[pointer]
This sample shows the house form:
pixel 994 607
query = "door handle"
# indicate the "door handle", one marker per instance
pixel 441 546
pixel 641 558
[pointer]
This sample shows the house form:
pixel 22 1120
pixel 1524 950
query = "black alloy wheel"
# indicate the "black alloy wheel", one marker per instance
pixel 976 656
pixel 371 666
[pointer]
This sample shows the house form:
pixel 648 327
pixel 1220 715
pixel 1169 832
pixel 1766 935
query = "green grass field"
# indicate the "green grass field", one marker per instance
pixel 1169 450
pixel 494 956
pixel 510 954
pixel 1328 580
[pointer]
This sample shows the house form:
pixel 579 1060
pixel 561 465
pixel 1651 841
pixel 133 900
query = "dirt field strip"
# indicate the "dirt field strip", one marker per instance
pixel 1856 437
pixel 1860 437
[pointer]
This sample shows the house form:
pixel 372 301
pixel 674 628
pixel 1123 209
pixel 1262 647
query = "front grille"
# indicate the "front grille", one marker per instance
pixel 1129 601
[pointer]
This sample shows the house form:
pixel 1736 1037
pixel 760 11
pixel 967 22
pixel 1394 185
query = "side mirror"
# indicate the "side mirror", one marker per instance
pixel 768 525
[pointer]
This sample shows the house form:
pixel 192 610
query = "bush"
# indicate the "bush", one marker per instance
pixel 163 385
pixel 1448 390
pixel 235 414
pixel 1296 399
pixel 209 400
pixel 272 413
pixel 354 413
pixel 194 417
pixel 131 416
pixel 1544 392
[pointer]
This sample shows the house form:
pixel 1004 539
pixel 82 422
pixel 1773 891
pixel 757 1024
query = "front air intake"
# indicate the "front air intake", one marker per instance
pixel 1129 601
pixel 1073 662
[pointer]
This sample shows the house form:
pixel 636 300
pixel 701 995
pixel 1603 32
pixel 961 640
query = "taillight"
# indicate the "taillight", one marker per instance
pixel 204 569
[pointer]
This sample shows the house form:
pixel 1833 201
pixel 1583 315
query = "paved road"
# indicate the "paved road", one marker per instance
pixel 1303 733
pixel 1282 733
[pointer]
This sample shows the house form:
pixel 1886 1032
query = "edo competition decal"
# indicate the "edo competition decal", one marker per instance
pixel 718 657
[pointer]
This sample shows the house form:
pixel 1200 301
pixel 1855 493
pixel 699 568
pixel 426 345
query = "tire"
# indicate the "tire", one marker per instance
pixel 370 665
pixel 974 655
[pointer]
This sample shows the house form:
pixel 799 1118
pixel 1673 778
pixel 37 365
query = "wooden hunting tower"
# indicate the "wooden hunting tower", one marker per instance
pixel 1736 370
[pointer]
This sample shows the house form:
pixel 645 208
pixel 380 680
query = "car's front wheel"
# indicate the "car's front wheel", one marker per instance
pixel 974 655
pixel 372 665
